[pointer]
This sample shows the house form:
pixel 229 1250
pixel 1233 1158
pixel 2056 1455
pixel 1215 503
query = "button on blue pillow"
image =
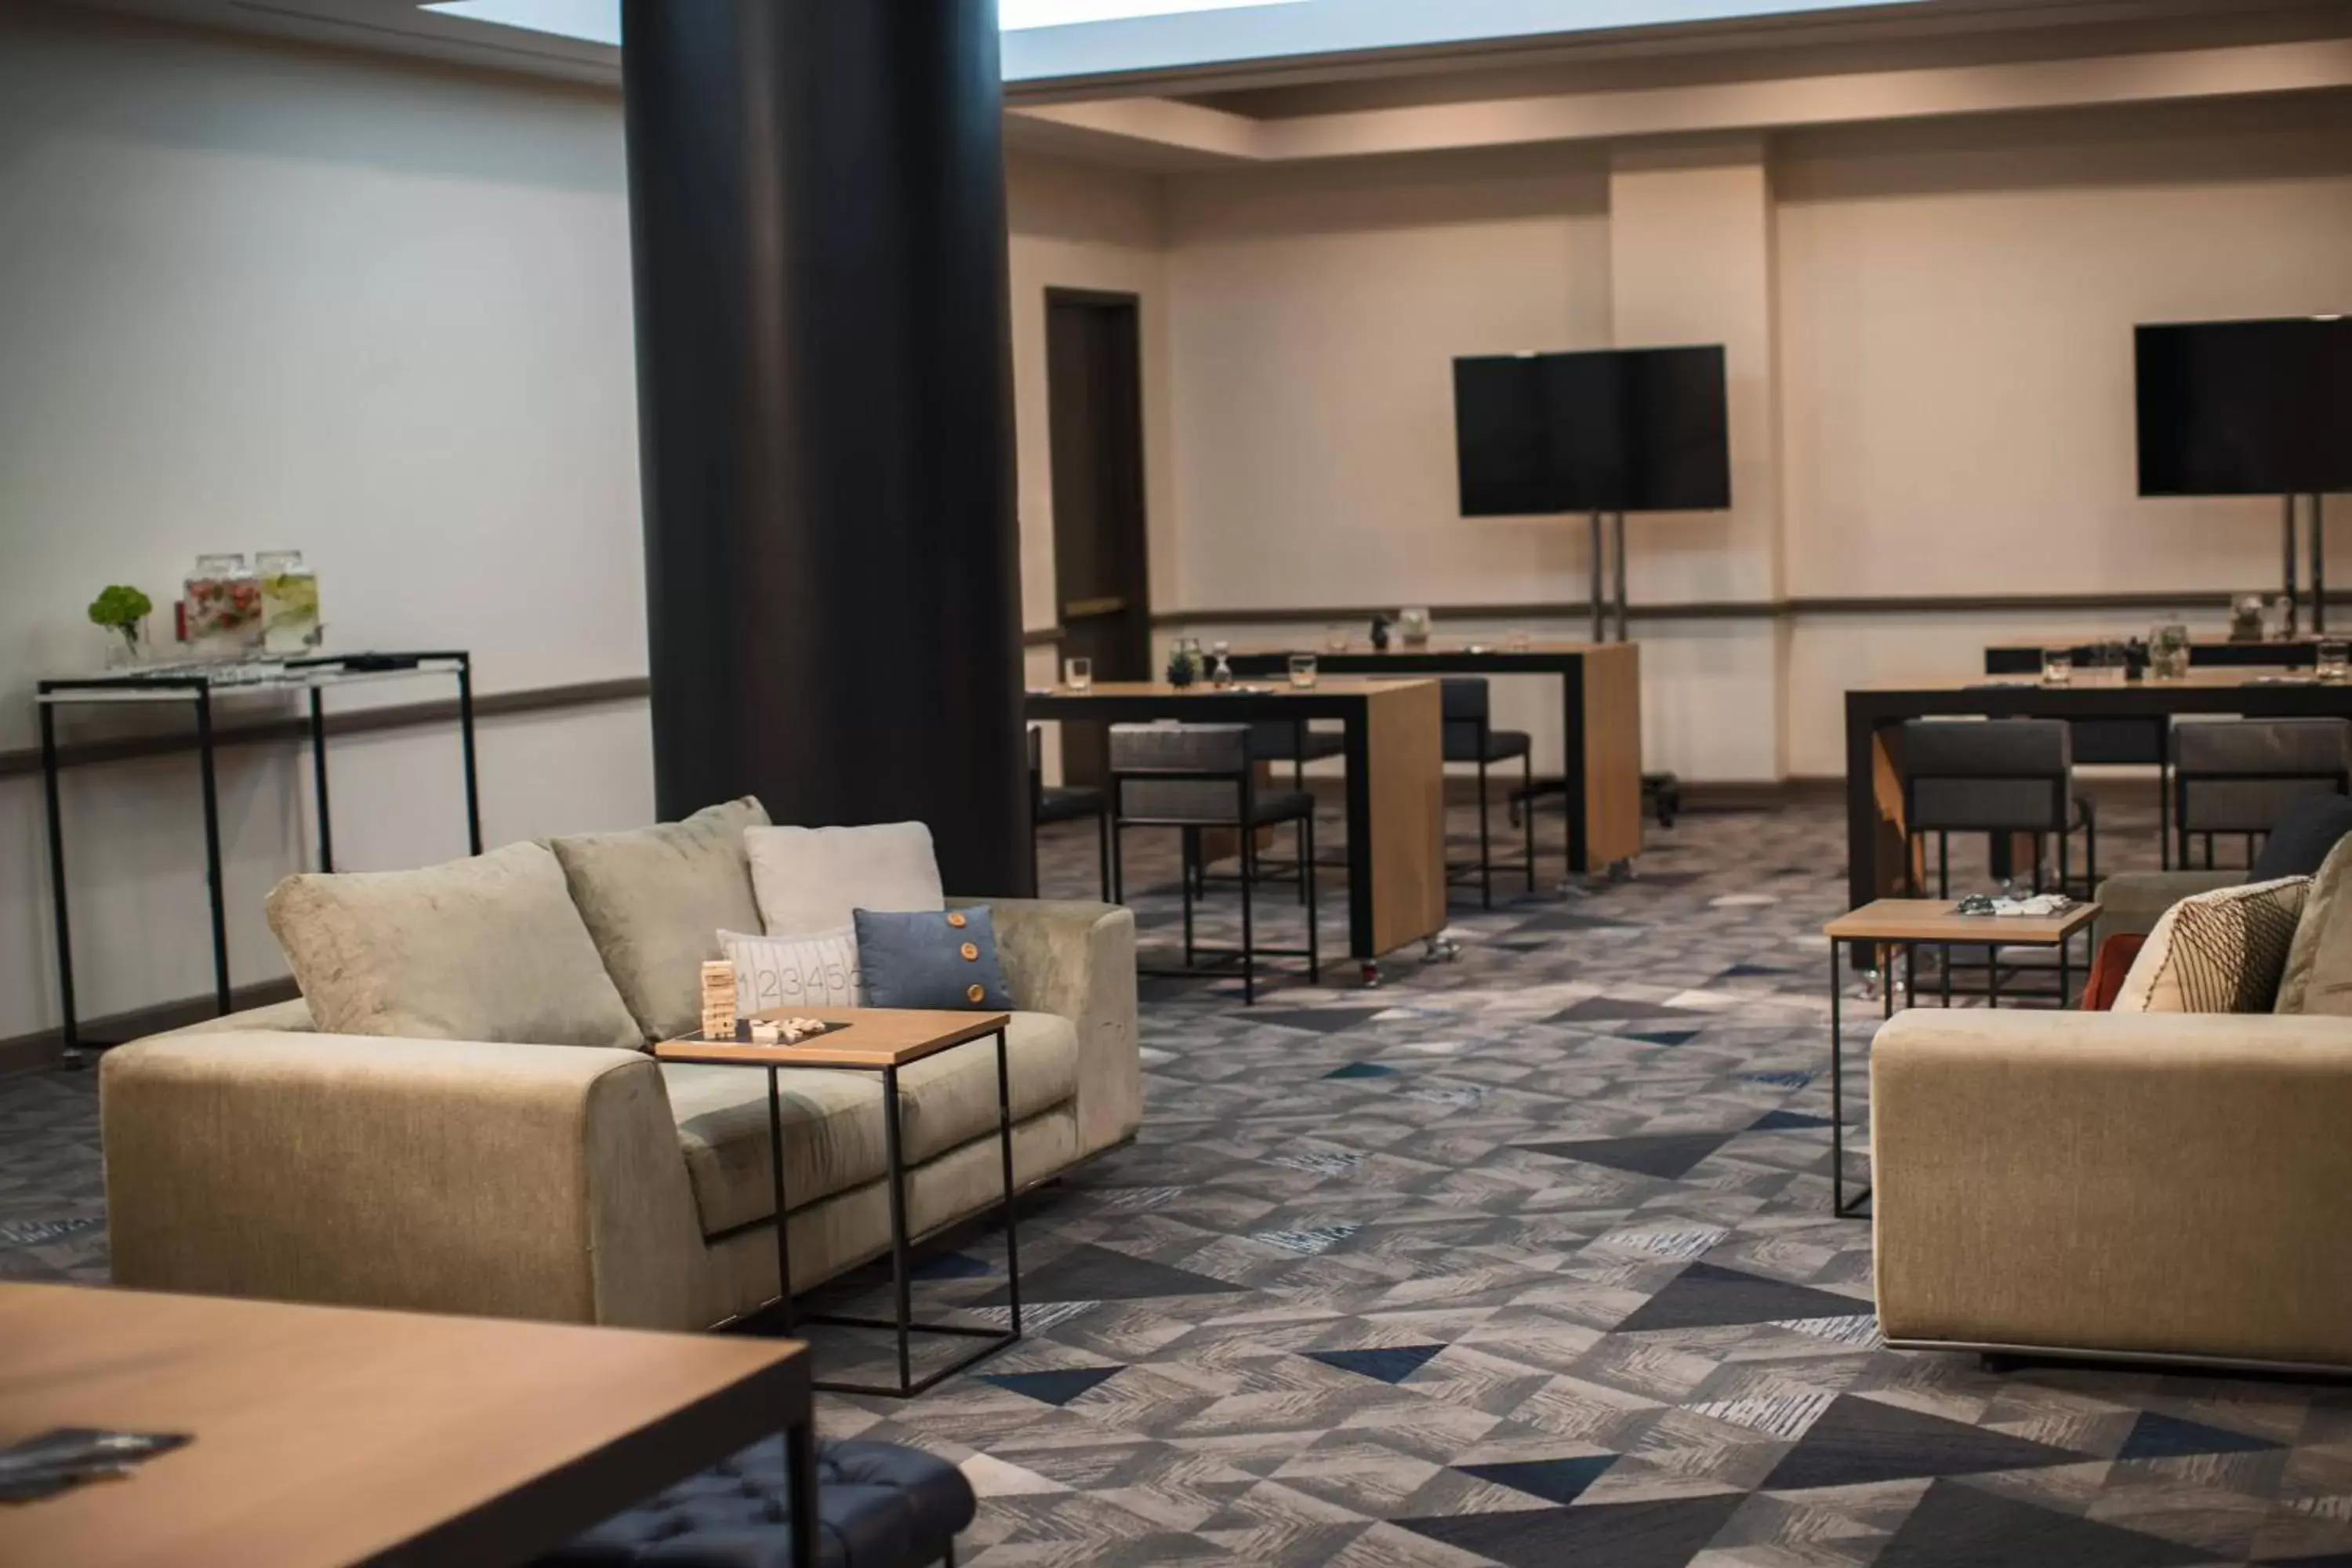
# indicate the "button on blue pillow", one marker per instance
pixel 931 958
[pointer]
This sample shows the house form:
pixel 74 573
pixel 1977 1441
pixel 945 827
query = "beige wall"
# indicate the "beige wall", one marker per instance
pixel 1929 327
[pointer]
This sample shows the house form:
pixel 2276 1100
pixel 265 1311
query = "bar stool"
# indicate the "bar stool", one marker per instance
pixel 1194 777
pixel 1995 777
pixel 1470 737
pixel 1292 741
pixel 1050 803
pixel 2241 775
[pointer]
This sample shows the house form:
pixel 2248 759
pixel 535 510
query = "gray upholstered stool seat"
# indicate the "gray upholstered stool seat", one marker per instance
pixel 1998 776
pixel 878 1506
pixel 2240 776
pixel 1197 776
pixel 1468 735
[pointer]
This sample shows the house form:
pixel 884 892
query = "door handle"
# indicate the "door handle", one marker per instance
pixel 1084 609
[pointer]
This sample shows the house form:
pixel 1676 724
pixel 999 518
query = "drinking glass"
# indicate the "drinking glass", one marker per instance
pixel 2334 659
pixel 1335 639
pixel 2057 666
pixel 1078 673
pixel 1302 671
pixel 2168 652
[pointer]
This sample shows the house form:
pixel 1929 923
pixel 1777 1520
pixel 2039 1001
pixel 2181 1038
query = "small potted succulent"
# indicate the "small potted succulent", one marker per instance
pixel 123 611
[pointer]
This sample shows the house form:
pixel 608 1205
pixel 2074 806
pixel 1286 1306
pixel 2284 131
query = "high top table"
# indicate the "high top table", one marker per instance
pixel 329 1436
pixel 1877 852
pixel 1396 782
pixel 1600 720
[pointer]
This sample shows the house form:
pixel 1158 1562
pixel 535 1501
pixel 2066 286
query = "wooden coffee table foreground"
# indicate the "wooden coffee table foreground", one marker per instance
pixel 329 1435
pixel 883 1040
pixel 1910 924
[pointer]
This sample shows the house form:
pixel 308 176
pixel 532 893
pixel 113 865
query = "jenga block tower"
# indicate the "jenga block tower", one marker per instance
pixel 717 1000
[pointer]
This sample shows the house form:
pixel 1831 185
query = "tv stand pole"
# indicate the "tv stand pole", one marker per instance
pixel 1617 533
pixel 1600 605
pixel 2318 564
pixel 2292 604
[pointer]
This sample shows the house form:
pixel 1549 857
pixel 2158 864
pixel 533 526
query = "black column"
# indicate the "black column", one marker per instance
pixel 824 410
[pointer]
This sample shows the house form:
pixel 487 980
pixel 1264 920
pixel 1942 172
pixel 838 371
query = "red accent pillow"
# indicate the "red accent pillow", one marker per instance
pixel 2108 970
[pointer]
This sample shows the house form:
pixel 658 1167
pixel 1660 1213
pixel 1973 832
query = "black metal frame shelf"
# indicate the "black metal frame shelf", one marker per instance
pixel 199 685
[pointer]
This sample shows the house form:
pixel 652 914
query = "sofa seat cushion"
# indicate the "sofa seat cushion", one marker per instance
pixel 833 1120
pixel 488 949
pixel 655 899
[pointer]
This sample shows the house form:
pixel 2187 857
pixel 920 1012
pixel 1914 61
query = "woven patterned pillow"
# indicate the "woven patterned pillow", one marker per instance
pixel 2221 951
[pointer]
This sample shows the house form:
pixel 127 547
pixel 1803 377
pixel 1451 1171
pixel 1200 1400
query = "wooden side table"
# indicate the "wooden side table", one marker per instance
pixel 1910 924
pixel 883 1040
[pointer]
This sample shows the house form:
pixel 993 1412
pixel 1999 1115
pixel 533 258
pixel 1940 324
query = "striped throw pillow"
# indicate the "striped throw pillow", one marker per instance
pixel 2222 951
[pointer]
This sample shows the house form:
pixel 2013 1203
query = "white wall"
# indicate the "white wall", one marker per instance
pixel 254 296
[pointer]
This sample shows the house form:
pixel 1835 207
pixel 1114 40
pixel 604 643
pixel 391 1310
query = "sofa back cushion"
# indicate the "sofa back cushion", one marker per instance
pixel 485 949
pixel 2318 977
pixel 810 881
pixel 656 898
pixel 2222 951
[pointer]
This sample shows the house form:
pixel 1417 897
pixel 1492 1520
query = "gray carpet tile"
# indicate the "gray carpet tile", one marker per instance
pixel 1522 1258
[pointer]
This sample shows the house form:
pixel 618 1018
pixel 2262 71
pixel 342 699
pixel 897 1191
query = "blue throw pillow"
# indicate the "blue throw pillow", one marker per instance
pixel 931 958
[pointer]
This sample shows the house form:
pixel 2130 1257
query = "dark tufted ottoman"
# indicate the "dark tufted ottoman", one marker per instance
pixel 878 1506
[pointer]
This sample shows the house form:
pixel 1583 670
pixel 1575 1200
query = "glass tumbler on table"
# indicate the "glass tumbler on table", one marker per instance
pixel 2335 656
pixel 1078 673
pixel 1302 672
pixel 2058 667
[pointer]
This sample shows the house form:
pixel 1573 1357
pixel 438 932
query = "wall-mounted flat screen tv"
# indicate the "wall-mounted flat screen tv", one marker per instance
pixel 2233 408
pixel 1607 430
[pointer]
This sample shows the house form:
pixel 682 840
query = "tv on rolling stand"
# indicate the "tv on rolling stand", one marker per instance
pixel 2250 408
pixel 1604 432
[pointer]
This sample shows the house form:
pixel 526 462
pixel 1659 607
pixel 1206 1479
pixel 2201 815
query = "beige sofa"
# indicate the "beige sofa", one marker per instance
pixel 253 1156
pixel 2134 1185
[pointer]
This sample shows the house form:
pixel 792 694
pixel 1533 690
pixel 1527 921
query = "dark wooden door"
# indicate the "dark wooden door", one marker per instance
pixel 1095 394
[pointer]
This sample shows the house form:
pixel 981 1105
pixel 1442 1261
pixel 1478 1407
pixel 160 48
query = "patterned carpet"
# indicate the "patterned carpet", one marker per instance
pixel 1524 1259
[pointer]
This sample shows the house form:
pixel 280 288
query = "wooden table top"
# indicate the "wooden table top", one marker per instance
pixel 1262 687
pixel 1933 921
pixel 2212 677
pixel 877 1038
pixel 1443 648
pixel 329 1435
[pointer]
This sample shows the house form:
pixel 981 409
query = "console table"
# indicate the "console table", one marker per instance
pixel 200 686
pixel 1877 844
pixel 1396 782
pixel 1600 722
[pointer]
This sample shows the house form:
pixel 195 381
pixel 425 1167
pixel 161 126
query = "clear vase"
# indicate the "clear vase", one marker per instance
pixel 127 648
pixel 289 602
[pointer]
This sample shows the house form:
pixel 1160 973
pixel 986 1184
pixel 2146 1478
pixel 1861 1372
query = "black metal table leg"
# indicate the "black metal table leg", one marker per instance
pixel 1004 1143
pixel 212 848
pixel 1573 761
pixel 1839 1206
pixel 901 1263
pixel 319 779
pixel 776 1179
pixel 57 885
pixel 466 746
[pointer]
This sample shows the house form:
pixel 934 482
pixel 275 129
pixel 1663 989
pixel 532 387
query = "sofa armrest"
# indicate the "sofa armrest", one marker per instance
pixel 1078 960
pixel 434 1175
pixel 2131 904
pixel 2165 1184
